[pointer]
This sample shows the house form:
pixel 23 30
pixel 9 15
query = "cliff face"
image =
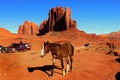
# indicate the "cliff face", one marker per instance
pixel 59 20
pixel 28 28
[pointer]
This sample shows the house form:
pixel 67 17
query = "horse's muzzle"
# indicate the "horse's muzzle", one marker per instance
pixel 42 56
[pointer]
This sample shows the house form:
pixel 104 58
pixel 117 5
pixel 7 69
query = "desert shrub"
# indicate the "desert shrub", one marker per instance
pixel 32 53
pixel 78 51
pixel 101 49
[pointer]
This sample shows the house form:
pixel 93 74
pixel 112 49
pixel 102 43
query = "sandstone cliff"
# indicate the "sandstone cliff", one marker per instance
pixel 59 20
pixel 28 28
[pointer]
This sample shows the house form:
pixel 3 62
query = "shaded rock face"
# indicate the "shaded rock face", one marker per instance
pixel 59 20
pixel 28 28
pixel 43 27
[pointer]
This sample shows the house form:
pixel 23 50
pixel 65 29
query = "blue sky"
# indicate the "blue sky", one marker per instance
pixel 92 16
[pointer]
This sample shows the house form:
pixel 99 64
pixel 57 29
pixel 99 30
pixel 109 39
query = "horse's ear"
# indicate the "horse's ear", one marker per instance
pixel 107 43
pixel 46 42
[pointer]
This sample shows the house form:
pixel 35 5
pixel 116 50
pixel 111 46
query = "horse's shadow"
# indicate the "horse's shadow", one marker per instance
pixel 117 76
pixel 118 60
pixel 44 68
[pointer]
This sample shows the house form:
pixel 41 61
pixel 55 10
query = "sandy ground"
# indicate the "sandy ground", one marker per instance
pixel 88 65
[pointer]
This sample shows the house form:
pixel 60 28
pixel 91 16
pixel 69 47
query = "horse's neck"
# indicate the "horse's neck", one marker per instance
pixel 50 47
pixel 53 48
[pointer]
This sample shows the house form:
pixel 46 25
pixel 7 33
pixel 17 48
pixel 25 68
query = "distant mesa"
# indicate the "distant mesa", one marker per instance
pixel 112 36
pixel 28 28
pixel 59 20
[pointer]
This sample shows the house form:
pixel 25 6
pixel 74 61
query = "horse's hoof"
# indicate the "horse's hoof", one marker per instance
pixel 63 74
pixel 50 76
pixel 64 71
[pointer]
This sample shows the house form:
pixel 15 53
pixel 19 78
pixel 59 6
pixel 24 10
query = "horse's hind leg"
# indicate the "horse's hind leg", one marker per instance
pixel 71 61
pixel 68 67
pixel 62 67
pixel 53 67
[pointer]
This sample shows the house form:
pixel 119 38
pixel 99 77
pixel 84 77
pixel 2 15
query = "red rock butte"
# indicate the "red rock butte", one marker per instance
pixel 28 28
pixel 59 20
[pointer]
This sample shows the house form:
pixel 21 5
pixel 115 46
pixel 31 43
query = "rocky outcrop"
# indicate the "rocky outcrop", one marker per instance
pixel 43 27
pixel 59 20
pixel 28 28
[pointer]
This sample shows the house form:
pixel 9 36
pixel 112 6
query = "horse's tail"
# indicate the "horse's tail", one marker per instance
pixel 72 53
pixel 72 50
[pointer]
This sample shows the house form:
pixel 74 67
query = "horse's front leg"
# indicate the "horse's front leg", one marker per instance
pixel 53 60
pixel 62 67
pixel 68 67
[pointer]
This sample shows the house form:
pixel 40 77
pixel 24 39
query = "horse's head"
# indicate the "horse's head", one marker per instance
pixel 107 43
pixel 45 49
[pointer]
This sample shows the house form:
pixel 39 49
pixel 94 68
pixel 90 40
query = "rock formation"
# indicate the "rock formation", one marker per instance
pixel 28 28
pixel 59 20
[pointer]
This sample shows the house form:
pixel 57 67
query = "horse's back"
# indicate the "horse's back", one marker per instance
pixel 62 49
pixel 70 48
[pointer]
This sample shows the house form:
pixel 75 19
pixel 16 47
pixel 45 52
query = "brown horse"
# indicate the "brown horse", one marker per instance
pixel 59 51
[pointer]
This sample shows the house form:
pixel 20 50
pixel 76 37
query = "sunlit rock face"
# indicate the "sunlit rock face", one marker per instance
pixel 28 28
pixel 59 20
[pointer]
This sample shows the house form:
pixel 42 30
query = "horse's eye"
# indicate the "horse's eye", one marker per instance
pixel 41 47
